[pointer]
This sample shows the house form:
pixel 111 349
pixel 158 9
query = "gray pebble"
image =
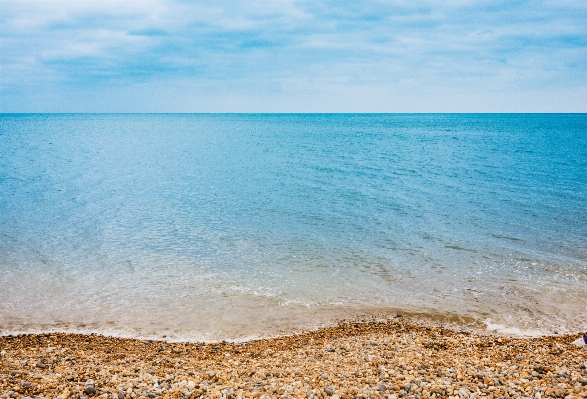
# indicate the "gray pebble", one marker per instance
pixel 329 391
pixel 121 395
pixel 90 390
pixel 519 358
pixel 382 388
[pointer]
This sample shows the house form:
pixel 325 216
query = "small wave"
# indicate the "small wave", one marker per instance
pixel 515 331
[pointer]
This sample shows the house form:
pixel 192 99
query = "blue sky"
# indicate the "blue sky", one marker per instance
pixel 293 56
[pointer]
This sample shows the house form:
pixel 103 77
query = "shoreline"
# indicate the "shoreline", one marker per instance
pixel 391 359
pixel 451 321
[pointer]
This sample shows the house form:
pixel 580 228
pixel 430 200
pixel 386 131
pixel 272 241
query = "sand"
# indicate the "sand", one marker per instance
pixel 394 358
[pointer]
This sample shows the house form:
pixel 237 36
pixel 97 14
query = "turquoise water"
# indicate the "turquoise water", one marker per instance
pixel 230 226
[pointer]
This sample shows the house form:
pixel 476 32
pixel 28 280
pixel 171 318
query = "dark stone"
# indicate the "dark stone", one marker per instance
pixel 90 390
pixel 329 391
pixel 382 388
pixel 519 358
pixel 26 384
pixel 121 395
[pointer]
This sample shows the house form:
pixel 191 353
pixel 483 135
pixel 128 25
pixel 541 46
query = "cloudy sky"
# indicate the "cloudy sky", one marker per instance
pixel 293 56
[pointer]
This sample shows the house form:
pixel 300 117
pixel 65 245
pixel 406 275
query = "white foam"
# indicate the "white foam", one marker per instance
pixel 515 331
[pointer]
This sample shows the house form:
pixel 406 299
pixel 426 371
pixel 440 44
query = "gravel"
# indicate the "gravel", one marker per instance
pixel 368 360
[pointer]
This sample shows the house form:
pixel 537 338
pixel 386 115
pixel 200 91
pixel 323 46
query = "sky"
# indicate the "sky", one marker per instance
pixel 293 56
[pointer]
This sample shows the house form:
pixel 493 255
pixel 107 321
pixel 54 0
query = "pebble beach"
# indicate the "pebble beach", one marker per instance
pixel 391 358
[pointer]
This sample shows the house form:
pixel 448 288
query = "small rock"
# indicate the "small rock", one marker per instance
pixel 90 390
pixel 382 388
pixel 329 391
pixel 519 358
pixel 121 395
pixel 324 376
pixel 24 384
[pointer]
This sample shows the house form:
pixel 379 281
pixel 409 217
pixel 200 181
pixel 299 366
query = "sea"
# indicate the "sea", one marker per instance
pixel 207 227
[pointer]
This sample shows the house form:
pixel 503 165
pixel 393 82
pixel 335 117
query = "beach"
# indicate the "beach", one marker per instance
pixel 387 358
pixel 293 200
pixel 259 255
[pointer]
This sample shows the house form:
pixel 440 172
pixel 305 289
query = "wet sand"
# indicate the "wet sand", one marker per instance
pixel 394 358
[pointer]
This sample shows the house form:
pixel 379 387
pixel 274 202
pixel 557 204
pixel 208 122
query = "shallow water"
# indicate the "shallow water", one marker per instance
pixel 231 226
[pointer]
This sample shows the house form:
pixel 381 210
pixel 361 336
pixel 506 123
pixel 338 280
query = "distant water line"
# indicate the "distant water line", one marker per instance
pixel 198 226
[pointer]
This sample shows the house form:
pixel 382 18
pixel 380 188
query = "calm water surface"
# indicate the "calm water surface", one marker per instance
pixel 233 226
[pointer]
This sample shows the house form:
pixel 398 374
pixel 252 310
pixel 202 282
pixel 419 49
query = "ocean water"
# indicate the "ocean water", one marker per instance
pixel 231 226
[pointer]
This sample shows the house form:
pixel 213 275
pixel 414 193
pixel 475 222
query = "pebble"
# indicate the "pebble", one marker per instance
pixel 90 390
pixel 391 359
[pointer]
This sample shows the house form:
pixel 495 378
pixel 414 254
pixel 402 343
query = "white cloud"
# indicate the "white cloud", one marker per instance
pixel 280 54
